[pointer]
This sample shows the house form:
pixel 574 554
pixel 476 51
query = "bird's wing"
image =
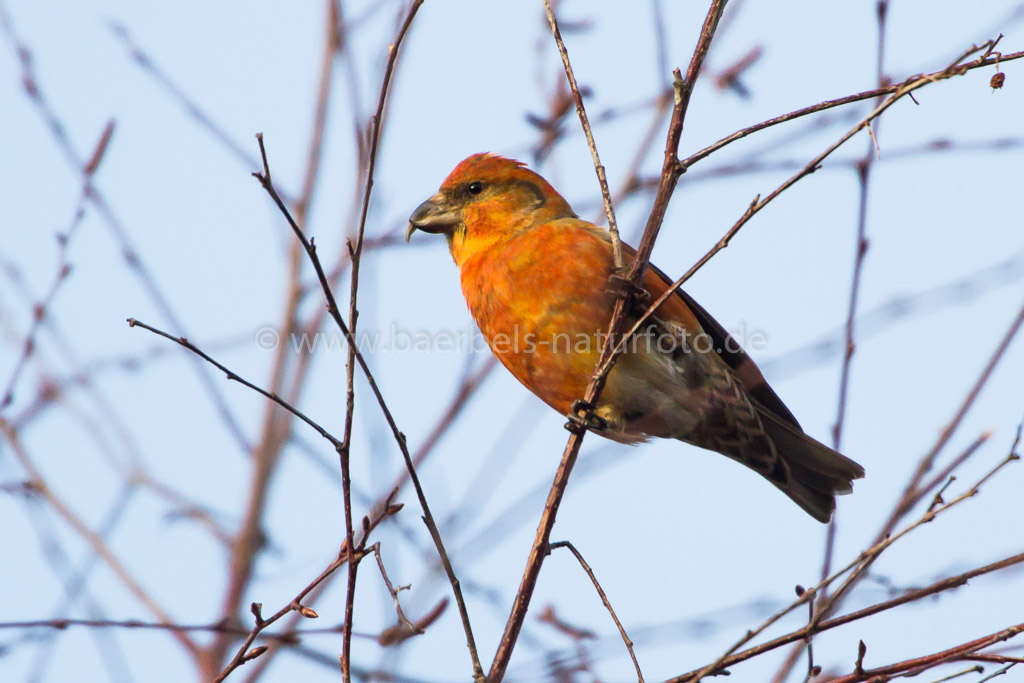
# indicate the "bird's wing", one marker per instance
pixel 730 351
pixel 683 310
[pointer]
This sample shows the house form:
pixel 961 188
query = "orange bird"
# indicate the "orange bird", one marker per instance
pixel 535 277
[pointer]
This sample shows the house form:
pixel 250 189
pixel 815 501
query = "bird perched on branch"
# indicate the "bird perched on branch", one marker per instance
pixel 536 279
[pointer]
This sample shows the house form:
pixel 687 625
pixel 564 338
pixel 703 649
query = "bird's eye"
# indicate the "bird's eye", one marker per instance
pixel 475 187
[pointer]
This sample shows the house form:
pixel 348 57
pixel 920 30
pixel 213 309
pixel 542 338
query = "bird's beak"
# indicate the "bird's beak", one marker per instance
pixel 436 215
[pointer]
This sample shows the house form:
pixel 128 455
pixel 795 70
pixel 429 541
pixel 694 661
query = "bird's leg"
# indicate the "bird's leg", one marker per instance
pixel 582 416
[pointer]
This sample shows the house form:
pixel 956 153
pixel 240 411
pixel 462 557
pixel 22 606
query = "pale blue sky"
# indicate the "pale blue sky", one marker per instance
pixel 674 534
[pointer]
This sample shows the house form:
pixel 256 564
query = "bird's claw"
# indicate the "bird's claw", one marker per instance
pixel 622 285
pixel 581 417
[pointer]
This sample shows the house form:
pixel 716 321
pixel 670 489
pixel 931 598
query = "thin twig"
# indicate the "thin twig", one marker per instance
pixel 613 227
pixel 635 274
pixel 959 652
pixel 856 569
pixel 99 546
pixel 356 252
pixel 829 104
pixel 976 669
pixel 758 203
pixel 332 308
pixel 402 620
pixel 345 554
pixel 999 672
pixel 232 376
pixel 860 250
pixel 604 600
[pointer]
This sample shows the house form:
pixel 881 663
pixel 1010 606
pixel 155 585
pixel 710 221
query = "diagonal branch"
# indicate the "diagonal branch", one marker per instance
pixel 613 227
pixel 903 89
pixel 332 308
pixel 918 664
pixel 607 604
pixel 856 569
pixel 800 634
pixel 689 161
pixel 347 553
pixel 98 545
pixel 635 275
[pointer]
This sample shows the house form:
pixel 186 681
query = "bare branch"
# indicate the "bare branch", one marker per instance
pixel 959 652
pixel 596 384
pixel 332 308
pixel 904 89
pixel 345 554
pixel 613 227
pixel 356 253
pixel 98 545
pixel 605 601
pixel 838 102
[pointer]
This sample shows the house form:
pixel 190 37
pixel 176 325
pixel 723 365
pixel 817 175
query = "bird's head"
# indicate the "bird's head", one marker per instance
pixel 486 198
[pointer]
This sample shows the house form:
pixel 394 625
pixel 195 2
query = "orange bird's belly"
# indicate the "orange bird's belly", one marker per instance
pixel 541 301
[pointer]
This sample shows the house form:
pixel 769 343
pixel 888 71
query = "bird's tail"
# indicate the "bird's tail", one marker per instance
pixel 816 472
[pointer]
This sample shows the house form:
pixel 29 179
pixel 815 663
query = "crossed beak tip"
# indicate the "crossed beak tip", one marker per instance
pixel 434 216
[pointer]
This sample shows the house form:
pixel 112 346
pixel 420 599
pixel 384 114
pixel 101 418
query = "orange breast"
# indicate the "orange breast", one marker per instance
pixel 541 300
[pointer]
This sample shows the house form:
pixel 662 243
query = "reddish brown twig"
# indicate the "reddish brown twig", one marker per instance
pixel 332 308
pixel 594 387
pixel 856 570
pixel 604 600
pixel 356 252
pixel 800 634
pixel 577 98
pixel 963 651
pixel 838 102
pixel 102 550
pixel 345 554
pixel 904 89
pixel 997 659
pixel 860 250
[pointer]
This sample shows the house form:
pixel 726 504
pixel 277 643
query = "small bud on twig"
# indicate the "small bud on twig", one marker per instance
pixel 862 650
pixel 254 653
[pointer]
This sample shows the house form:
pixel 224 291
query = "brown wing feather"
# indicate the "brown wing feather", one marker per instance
pixel 746 371
pixel 745 419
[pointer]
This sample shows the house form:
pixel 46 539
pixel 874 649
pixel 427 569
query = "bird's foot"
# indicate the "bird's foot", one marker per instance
pixel 622 286
pixel 582 416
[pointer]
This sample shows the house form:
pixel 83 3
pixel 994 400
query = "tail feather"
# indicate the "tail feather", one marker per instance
pixel 816 472
pixel 737 425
